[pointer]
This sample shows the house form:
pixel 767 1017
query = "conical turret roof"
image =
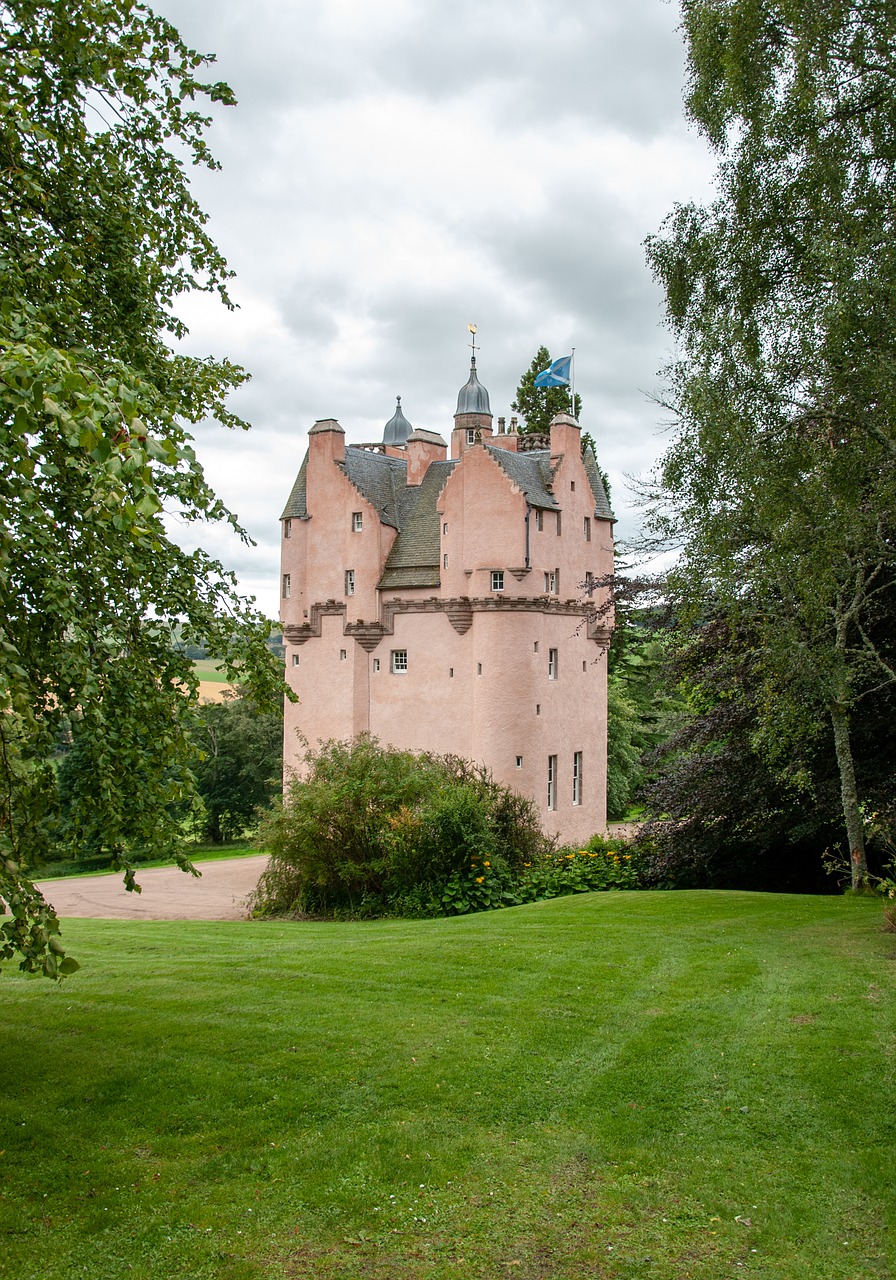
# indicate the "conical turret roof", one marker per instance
pixel 397 429
pixel 473 397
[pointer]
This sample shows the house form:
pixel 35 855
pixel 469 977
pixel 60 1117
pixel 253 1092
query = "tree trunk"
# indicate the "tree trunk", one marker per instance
pixel 849 795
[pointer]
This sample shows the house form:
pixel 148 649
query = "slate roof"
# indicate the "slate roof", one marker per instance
pixel 601 503
pixel 415 556
pixel 379 478
pixel 295 504
pixel 530 472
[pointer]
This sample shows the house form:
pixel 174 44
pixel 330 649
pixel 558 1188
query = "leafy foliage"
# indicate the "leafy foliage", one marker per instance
pixel 782 479
pixel 376 831
pixel 240 769
pixel 101 235
pixel 539 404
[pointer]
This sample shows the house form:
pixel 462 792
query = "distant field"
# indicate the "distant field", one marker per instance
pixel 206 669
pixel 674 1086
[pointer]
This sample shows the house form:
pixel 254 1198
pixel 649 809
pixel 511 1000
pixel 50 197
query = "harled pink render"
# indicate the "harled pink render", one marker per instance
pixel 444 605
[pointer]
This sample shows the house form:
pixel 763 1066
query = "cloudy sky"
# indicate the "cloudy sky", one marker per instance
pixel 398 169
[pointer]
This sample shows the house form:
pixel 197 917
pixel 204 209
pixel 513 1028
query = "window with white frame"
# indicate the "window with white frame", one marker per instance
pixel 552 782
pixel 471 435
pixel 550 583
pixel 376 664
pixel 286 587
pixel 444 528
pixel 577 777
pixel 357 521
pixel 589 583
pixel 399 662
pixel 349 582
pixel 287 528
pixel 445 560
pixel 295 659
pixel 343 654
pixel 552 664
pixel 519 762
pixel 497 579
pixel 539 520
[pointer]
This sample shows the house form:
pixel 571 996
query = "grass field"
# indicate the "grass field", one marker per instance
pixel 612 1085
pixel 208 670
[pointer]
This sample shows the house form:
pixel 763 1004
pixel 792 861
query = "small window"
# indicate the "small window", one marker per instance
pixel 286 586
pixel 577 778
pixel 349 582
pixel 538 708
pixel 519 762
pixel 539 520
pixel 471 435
pixel 287 528
pixel 445 560
pixel 587 528
pixel 342 655
pixel 552 782
pixel 572 486
pixel 535 646
pixel 451 673
pixel 444 528
pixel 357 521
pixel 559 524
pixel 376 664
pixel 552 664
pixel 584 665
pixel 497 579
pixel 589 584
pixel 550 583
pixel 399 661
pixel 295 659
pixel 479 668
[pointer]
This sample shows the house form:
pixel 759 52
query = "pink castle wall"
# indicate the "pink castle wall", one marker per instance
pixel 484 694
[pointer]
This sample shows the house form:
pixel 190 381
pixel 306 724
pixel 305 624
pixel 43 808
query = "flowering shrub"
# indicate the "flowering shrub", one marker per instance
pixel 600 865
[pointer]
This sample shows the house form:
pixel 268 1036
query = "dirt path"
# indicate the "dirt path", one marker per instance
pixel 168 894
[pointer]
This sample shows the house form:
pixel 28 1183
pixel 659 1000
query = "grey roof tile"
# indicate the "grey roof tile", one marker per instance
pixel 295 504
pixel 415 555
pixel 379 478
pixel 530 472
pixel 601 503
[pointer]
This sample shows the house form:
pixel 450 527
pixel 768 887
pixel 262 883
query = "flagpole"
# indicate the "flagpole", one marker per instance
pixel 572 384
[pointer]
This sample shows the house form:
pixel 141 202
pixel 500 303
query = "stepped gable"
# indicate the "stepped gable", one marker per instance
pixel 530 472
pixel 414 559
pixel 295 508
pixel 379 478
pixel 601 503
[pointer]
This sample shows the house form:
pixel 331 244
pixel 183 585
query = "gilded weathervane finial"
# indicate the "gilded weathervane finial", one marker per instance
pixel 472 329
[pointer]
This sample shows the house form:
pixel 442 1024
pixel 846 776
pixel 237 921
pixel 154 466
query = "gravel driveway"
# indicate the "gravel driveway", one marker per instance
pixel 168 894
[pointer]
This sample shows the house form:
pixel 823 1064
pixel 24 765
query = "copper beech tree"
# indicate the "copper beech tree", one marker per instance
pixel 99 237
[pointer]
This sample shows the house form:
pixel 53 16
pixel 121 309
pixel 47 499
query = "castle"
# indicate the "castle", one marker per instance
pixel 455 604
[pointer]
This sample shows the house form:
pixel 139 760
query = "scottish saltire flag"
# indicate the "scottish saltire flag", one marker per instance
pixel 557 375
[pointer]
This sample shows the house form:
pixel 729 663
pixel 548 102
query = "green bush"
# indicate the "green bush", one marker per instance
pixel 602 864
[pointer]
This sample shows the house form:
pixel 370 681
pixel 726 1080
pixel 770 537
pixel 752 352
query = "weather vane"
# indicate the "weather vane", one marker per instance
pixel 472 329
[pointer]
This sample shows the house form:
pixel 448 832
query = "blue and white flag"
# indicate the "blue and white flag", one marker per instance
pixel 557 375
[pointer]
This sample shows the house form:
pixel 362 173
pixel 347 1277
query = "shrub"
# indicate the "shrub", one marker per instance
pixel 601 864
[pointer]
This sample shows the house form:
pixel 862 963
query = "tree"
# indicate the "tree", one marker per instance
pixel 539 404
pixel 100 237
pixel 241 765
pixel 783 475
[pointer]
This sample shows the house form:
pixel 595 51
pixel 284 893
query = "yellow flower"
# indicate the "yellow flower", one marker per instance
pixel 527 864
pixel 486 864
pixel 627 856
pixel 569 855
pixel 479 879
pixel 592 855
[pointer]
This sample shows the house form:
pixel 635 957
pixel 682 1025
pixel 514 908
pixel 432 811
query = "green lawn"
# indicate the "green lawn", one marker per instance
pixel 208 669
pixel 614 1085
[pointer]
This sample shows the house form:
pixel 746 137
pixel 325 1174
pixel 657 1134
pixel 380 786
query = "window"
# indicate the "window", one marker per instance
pixel 451 673
pixel 286 586
pixel 497 579
pixel 399 662
pixel 550 583
pixel 577 778
pixel 479 668
pixel 589 584
pixel 539 520
pixel 552 782
pixel 519 762
pixel 376 664
pixel 342 655
pixel 535 647
pixel 587 528
pixel 295 659
pixel 471 435
pixel 538 708
pixel 584 665
pixel 287 528
pixel 445 560
pixel 444 528
pixel 552 664
pixel 559 524
pixel 572 486
pixel 349 582
pixel 357 521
